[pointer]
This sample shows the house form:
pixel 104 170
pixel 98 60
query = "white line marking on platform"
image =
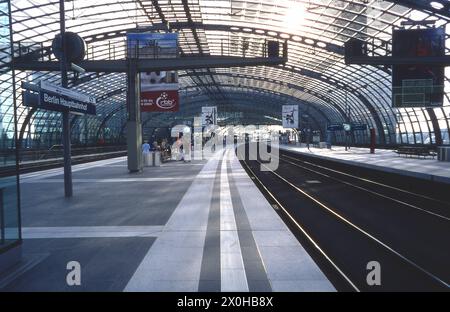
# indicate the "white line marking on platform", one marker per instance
pixel 91 231
pixel 115 180
pixel 173 262
pixel 233 276
pixel 76 168
pixel 288 266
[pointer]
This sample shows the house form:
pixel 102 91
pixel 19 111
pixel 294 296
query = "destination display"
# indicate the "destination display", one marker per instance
pixel 418 85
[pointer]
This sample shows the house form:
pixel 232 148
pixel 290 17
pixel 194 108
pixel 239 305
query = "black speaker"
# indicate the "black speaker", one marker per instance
pixel 355 47
pixel 75 47
pixel 273 49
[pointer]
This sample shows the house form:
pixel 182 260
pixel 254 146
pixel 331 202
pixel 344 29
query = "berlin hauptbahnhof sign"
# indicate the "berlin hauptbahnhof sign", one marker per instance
pixel 56 98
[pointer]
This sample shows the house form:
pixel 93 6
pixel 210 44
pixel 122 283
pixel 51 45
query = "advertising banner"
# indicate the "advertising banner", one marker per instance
pixel 209 115
pixel 152 45
pixel 290 116
pixel 158 90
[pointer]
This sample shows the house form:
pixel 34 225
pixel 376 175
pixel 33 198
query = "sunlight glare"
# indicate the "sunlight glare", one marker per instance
pixel 295 16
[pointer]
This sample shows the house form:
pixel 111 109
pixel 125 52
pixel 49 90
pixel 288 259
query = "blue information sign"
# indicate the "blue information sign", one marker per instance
pixel 358 126
pixel 335 127
pixel 56 98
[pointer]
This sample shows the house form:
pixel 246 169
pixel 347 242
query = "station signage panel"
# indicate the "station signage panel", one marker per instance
pixel 57 98
pixel 209 116
pixel 290 116
pixel 347 127
pixel 359 127
pixel 335 127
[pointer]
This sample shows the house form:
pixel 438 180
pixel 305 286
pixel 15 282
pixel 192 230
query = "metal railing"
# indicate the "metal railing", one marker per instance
pixel 120 49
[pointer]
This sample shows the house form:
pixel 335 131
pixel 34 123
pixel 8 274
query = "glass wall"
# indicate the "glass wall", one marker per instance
pixel 9 203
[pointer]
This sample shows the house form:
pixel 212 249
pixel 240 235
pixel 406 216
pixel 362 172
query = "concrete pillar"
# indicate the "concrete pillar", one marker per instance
pixel 134 124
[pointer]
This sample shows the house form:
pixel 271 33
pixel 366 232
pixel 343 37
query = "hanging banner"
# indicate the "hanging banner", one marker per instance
pixel 290 116
pixel 209 116
pixel 158 90
pixel 152 45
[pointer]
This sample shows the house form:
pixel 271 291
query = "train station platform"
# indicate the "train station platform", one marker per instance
pixel 199 226
pixel 383 160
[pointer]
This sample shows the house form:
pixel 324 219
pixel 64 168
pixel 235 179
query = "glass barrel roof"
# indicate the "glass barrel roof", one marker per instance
pixel 315 76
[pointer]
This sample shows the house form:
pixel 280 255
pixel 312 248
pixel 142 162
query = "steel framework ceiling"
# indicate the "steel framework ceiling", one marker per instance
pixel 315 75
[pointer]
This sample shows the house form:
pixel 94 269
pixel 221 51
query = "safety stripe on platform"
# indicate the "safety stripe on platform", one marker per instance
pixel 91 231
pixel 173 263
pixel 233 277
pixel 115 180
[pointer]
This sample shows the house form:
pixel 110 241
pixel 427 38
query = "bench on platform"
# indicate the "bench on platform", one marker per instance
pixel 419 151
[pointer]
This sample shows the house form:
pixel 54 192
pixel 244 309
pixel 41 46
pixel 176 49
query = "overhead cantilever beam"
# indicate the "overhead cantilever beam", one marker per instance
pixel 148 65
pixel 438 6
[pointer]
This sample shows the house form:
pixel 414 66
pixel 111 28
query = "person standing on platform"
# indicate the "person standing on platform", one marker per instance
pixel 146 154
pixel 146 147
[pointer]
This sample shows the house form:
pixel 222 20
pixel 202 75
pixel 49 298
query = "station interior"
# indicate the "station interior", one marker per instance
pixel 224 146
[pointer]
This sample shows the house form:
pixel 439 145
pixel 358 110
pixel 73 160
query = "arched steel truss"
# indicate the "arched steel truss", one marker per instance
pixel 315 72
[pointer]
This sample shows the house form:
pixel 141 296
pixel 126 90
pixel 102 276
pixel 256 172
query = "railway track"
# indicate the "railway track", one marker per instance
pixel 424 203
pixel 386 191
pixel 344 235
pixel 57 162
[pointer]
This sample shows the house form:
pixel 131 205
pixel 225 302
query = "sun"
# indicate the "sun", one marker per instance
pixel 294 16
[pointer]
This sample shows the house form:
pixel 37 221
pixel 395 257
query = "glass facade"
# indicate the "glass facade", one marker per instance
pixel 9 203
pixel 315 75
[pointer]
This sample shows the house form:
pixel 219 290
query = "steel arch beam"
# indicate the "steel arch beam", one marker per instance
pixel 291 86
pixel 422 5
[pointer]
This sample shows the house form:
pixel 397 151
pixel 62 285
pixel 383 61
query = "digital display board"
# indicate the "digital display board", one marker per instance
pixel 418 85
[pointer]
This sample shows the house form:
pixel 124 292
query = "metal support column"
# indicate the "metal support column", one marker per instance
pixel 2 219
pixel 134 125
pixel 68 190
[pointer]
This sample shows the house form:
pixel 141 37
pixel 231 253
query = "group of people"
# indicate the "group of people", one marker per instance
pixel 165 148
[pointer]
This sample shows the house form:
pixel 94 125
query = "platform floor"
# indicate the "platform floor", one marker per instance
pixel 200 226
pixel 384 160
